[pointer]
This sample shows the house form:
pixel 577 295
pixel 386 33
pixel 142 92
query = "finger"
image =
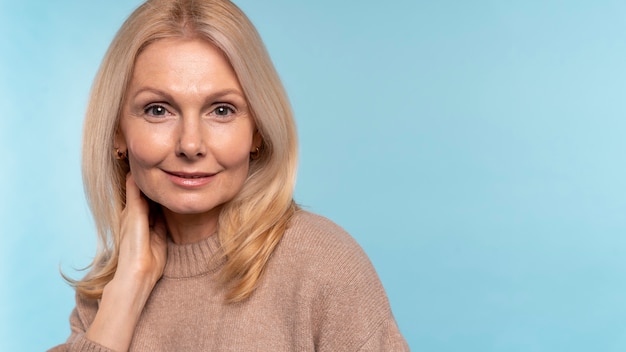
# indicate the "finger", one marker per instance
pixel 135 201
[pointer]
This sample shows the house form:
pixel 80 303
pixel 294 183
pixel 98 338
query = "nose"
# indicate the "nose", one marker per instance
pixel 191 140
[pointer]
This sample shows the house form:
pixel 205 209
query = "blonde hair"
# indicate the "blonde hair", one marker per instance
pixel 250 225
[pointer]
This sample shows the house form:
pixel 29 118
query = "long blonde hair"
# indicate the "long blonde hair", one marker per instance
pixel 250 225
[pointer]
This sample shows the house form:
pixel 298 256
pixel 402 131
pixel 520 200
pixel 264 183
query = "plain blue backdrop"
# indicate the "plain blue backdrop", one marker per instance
pixel 475 149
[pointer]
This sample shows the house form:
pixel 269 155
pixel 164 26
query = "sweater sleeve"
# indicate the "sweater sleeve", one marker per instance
pixel 355 314
pixel 386 338
pixel 80 319
pixel 351 312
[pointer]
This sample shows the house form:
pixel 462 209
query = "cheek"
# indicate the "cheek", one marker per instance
pixel 234 151
pixel 147 149
pixel 145 154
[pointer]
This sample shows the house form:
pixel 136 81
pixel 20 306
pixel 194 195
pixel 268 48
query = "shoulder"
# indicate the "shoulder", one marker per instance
pixel 318 241
pixel 317 250
pixel 350 304
pixel 316 233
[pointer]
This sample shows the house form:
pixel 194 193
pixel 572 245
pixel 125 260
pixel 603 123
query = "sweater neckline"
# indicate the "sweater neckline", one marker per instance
pixel 193 259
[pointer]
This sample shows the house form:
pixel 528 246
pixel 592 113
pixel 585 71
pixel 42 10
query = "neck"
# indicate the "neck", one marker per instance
pixel 191 228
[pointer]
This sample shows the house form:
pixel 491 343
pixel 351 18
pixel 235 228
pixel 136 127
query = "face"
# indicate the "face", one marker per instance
pixel 186 126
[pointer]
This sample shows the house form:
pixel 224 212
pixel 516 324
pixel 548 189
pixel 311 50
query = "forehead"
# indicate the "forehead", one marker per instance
pixel 183 62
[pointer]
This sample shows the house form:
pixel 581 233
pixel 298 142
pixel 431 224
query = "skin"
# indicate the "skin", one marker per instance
pixel 189 135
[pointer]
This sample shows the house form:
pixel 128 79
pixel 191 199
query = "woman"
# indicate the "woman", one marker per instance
pixel 189 164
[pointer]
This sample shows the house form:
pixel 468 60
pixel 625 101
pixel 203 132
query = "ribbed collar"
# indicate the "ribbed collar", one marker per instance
pixel 193 259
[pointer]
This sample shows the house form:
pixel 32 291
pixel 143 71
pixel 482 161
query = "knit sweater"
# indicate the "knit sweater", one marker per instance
pixel 319 292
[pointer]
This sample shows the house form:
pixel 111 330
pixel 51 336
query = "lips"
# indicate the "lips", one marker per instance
pixel 190 174
pixel 190 179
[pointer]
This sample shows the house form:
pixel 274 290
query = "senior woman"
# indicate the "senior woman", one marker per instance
pixel 189 164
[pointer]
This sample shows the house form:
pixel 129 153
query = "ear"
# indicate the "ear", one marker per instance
pixel 119 142
pixel 257 140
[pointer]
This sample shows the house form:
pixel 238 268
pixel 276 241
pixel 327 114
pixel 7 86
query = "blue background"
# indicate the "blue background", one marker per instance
pixel 475 149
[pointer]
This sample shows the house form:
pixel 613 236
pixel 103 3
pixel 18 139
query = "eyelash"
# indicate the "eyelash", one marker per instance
pixel 230 110
pixel 149 110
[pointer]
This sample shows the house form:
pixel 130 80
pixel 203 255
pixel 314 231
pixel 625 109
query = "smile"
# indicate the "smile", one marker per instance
pixel 190 179
pixel 191 176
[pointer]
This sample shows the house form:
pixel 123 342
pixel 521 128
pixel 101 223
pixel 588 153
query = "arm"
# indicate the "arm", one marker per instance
pixel 353 311
pixel 142 256
pixel 386 337
pixel 140 265
pixel 81 316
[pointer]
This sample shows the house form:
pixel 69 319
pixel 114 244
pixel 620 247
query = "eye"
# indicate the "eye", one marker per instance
pixel 224 110
pixel 156 110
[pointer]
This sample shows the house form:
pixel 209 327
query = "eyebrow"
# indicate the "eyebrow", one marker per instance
pixel 212 96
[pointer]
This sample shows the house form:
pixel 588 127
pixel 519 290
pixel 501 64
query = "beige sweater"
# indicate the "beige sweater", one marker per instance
pixel 319 293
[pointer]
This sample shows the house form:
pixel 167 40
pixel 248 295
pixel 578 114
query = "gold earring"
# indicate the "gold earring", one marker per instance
pixel 120 154
pixel 255 154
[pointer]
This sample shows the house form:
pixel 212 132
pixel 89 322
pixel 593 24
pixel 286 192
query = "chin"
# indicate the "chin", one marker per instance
pixel 190 209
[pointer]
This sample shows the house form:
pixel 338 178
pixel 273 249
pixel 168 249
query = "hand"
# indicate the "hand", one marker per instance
pixel 143 243
pixel 142 256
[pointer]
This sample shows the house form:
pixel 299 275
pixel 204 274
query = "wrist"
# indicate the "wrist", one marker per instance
pixel 135 278
pixel 131 289
pixel 123 300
